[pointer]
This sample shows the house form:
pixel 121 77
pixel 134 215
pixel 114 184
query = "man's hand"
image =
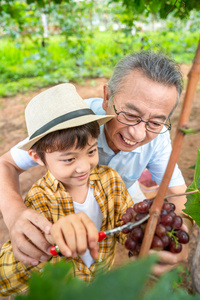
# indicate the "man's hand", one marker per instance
pixel 168 260
pixel 28 243
pixel 74 234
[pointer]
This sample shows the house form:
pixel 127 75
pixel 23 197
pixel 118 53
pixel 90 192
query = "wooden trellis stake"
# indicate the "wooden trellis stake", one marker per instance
pixel 184 119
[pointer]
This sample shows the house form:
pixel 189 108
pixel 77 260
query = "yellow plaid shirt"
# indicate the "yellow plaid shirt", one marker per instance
pixel 49 197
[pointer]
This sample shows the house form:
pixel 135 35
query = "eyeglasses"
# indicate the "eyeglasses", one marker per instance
pixel 132 120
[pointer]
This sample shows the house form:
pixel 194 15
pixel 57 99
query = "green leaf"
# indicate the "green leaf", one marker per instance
pixel 192 167
pixel 56 282
pixel 122 283
pixel 193 200
pixel 189 131
pixel 165 285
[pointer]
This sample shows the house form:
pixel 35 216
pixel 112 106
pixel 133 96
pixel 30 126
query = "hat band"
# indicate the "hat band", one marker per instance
pixel 61 119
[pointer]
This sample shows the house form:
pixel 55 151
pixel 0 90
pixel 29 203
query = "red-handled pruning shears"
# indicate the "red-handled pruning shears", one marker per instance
pixel 104 234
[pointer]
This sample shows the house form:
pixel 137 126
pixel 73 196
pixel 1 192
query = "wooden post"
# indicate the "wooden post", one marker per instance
pixel 184 118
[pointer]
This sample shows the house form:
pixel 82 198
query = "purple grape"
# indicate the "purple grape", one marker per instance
pixel 182 237
pixel 166 240
pixel 166 220
pixel 140 216
pixel 163 212
pixel 126 218
pixel 177 222
pixel 130 244
pixel 172 213
pixel 157 243
pixel 148 201
pixel 174 247
pixel 141 207
pixel 167 206
pixel 130 210
pixel 160 230
pixel 137 234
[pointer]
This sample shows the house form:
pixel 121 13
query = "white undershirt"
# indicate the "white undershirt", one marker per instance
pixel 91 208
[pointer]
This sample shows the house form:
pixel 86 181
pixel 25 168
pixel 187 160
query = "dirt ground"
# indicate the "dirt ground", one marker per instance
pixel 12 130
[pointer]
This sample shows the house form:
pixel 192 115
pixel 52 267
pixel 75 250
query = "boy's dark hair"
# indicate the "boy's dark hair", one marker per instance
pixel 61 140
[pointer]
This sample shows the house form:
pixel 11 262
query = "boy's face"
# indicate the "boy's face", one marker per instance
pixel 73 166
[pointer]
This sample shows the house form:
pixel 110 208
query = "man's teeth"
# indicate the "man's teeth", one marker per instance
pixel 129 142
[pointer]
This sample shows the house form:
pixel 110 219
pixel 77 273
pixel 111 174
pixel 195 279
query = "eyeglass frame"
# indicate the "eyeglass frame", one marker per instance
pixel 169 127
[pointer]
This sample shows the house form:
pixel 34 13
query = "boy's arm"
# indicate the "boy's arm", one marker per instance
pixel 21 222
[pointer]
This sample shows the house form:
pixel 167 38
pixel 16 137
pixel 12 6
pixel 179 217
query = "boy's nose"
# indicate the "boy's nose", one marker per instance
pixel 83 167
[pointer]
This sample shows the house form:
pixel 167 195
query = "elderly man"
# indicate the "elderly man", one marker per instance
pixel 142 94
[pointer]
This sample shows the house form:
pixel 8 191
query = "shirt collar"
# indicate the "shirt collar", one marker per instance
pixel 53 182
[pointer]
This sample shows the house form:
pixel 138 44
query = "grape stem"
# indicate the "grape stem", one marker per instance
pixel 183 194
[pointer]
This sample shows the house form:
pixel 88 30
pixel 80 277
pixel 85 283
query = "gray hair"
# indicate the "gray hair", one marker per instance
pixel 155 66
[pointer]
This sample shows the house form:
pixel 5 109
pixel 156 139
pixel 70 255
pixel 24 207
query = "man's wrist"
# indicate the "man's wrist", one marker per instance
pixel 188 222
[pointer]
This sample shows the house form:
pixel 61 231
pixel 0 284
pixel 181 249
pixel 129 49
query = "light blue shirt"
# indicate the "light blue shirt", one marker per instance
pixel 154 156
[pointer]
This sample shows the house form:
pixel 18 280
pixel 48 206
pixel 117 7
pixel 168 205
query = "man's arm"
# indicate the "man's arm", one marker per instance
pixel 22 223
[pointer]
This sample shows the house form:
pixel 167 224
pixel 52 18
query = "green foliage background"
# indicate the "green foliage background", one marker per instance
pixel 77 48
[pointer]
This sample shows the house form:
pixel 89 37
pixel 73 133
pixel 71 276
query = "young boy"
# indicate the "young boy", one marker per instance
pixel 77 196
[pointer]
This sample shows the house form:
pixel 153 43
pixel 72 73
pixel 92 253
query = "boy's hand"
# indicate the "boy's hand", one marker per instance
pixel 26 224
pixel 74 234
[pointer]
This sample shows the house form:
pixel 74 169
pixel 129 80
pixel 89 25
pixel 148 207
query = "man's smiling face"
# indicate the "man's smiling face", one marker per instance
pixel 141 96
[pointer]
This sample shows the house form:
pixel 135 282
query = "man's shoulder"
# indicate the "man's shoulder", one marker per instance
pixel 96 105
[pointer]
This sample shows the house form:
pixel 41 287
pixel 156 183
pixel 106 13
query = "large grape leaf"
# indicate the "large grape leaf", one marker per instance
pixel 192 206
pixel 129 282
pixel 56 283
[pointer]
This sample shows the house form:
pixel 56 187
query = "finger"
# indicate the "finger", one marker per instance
pixel 78 239
pixel 160 269
pixel 60 239
pixel 36 238
pixel 26 252
pixel 165 257
pixel 39 220
pixel 92 236
pixel 94 252
pixel 168 258
pixel 86 235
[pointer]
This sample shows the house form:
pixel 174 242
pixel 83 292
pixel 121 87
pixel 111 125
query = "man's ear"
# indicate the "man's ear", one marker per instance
pixel 105 97
pixel 35 157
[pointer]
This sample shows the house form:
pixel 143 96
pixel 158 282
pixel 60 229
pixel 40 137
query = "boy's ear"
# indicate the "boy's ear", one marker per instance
pixel 35 157
pixel 105 97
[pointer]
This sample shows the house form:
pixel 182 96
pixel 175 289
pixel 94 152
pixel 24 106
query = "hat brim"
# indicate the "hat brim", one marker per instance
pixel 68 124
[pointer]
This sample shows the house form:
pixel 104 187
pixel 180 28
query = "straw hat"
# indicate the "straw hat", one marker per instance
pixel 57 108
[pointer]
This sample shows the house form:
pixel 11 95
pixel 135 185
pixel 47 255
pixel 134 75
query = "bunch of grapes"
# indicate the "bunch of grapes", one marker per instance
pixel 168 234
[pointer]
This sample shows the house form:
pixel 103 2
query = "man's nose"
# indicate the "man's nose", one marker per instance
pixel 138 132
